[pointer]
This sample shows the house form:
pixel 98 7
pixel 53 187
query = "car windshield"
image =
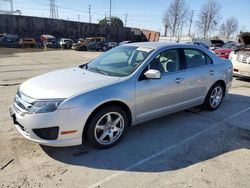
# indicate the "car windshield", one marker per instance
pixel 229 45
pixel 120 61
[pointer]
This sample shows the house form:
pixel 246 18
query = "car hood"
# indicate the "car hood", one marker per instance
pixel 64 83
pixel 245 38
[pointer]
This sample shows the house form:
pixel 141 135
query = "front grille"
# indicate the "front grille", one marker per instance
pixel 22 103
pixel 242 58
pixel 20 126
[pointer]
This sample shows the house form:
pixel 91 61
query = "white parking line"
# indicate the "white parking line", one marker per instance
pixel 163 151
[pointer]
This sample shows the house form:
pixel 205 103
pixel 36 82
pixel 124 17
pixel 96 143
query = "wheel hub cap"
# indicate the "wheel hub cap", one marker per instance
pixel 109 128
pixel 216 97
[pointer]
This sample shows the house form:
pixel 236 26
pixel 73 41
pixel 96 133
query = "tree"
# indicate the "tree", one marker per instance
pixel 175 16
pixel 208 17
pixel 115 21
pixel 229 27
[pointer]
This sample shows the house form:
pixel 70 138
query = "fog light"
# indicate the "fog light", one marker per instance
pixel 50 133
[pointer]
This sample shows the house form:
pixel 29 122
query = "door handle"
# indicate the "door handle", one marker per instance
pixel 211 72
pixel 179 80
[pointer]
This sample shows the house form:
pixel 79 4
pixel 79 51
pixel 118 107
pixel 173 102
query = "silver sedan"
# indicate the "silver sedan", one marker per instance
pixel 125 86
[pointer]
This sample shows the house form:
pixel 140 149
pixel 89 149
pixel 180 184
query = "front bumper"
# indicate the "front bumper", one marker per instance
pixel 240 69
pixel 63 119
pixel 242 72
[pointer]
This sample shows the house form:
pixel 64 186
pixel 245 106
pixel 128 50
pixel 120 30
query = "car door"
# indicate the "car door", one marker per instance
pixel 199 76
pixel 155 97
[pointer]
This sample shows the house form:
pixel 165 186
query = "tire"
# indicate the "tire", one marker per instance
pixel 104 48
pixel 83 48
pixel 106 128
pixel 214 97
pixel 68 45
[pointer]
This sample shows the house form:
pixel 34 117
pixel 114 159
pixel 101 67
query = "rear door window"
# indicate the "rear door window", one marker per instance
pixel 196 58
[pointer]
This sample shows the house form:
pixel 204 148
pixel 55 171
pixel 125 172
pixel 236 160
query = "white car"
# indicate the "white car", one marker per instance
pixel 241 58
pixel 66 43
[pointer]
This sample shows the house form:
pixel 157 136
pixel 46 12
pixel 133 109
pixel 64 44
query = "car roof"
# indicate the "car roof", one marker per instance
pixel 47 36
pixel 158 45
pixel 95 38
pixel 66 39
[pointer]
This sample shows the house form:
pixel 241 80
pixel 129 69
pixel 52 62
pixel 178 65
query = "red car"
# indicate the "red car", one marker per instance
pixel 225 50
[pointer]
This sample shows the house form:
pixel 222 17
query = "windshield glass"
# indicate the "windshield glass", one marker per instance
pixel 120 61
pixel 227 45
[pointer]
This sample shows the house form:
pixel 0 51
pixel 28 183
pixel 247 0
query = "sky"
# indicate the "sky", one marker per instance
pixel 145 14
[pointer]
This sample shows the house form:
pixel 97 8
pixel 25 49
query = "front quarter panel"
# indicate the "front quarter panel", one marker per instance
pixel 122 91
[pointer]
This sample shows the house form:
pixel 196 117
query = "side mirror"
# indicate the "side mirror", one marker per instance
pixel 153 74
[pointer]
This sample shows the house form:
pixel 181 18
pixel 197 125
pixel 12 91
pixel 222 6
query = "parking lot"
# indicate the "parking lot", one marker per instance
pixel 192 148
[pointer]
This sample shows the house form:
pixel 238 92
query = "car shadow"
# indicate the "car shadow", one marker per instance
pixel 245 79
pixel 169 143
pixel 14 52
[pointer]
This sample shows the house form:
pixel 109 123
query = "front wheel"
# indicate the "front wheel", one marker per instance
pixel 106 127
pixel 214 97
pixel 83 48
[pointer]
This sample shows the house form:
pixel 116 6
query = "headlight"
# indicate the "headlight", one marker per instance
pixel 45 106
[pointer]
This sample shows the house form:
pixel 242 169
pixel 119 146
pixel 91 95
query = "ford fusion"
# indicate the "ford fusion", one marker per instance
pixel 125 86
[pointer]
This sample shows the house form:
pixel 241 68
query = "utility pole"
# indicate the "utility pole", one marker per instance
pixel 78 17
pixel 11 7
pixel 181 27
pixel 110 4
pixel 56 12
pixel 89 13
pixel 6 11
pixel 126 19
pixel 191 21
pixel 52 9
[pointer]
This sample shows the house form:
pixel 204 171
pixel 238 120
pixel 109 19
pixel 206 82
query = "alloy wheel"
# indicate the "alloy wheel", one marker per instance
pixel 109 128
pixel 216 97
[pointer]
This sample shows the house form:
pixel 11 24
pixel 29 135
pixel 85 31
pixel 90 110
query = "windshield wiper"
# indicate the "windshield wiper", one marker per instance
pixel 99 71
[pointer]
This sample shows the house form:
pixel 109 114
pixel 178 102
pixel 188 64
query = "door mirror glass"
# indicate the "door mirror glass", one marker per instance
pixel 153 74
